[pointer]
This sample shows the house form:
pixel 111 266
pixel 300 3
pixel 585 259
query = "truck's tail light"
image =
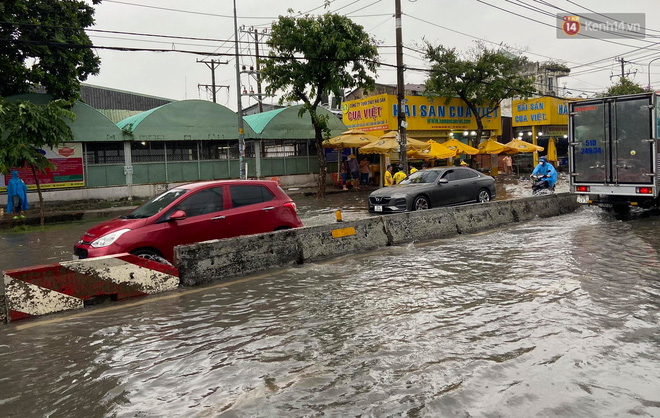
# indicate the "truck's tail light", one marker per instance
pixel 644 190
pixel 581 188
pixel 291 205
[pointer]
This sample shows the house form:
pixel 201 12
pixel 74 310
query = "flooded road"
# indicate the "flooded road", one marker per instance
pixel 554 317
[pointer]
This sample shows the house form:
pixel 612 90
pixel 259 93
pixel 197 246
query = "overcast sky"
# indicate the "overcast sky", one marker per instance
pixel 524 24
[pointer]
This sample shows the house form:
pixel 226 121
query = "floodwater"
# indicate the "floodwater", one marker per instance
pixel 554 317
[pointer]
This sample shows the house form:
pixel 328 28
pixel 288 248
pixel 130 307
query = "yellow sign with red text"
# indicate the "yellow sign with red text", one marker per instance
pixel 540 111
pixel 422 114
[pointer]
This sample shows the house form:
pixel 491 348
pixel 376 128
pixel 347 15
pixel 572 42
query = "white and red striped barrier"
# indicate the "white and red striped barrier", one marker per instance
pixel 41 290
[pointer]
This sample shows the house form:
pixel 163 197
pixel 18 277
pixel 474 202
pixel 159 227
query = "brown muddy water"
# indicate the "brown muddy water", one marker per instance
pixel 554 317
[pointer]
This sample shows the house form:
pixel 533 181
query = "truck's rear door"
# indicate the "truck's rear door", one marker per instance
pixel 612 141
pixel 591 137
pixel 632 151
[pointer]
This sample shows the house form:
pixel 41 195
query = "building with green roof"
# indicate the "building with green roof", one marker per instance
pixel 190 140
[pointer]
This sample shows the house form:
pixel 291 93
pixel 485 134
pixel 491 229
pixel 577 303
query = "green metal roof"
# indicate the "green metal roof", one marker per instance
pixel 185 120
pixel 258 121
pixel 286 124
pixel 90 125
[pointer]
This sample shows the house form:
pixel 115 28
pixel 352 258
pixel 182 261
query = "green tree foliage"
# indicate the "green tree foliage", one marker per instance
pixel 312 56
pixel 43 43
pixel 482 79
pixel 29 128
pixel 624 86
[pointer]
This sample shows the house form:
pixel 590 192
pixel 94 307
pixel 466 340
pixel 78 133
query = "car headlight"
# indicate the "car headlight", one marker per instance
pixel 108 239
pixel 398 196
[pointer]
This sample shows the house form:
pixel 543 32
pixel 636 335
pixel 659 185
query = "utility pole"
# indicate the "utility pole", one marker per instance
pixel 254 72
pixel 256 47
pixel 239 107
pixel 401 114
pixel 622 67
pixel 213 64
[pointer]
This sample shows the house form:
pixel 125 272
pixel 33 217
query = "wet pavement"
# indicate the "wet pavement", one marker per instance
pixel 555 317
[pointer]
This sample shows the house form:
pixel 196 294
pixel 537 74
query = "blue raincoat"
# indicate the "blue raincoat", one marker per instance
pixel 16 187
pixel 546 169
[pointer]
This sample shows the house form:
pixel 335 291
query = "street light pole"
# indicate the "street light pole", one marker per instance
pixel 241 136
pixel 649 71
pixel 403 156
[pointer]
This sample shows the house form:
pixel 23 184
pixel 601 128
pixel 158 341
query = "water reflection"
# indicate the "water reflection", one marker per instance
pixel 555 317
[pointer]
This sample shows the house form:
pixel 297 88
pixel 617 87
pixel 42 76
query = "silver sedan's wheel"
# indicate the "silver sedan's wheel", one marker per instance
pixel 484 196
pixel 421 203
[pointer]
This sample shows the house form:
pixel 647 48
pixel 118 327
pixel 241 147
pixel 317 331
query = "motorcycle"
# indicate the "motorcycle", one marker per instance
pixel 540 185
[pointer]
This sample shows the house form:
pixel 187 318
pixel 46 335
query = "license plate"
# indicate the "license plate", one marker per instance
pixel 583 198
pixel 378 208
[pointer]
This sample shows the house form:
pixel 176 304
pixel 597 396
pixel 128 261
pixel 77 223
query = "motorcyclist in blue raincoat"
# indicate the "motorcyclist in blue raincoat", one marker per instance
pixel 547 171
pixel 16 195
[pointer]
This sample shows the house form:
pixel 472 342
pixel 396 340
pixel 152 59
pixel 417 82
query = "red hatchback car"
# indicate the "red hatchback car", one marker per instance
pixel 192 213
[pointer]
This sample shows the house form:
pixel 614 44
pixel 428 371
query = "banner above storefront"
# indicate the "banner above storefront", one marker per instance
pixel 540 111
pixel 379 113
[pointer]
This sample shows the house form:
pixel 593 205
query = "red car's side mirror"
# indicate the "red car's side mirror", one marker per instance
pixel 178 215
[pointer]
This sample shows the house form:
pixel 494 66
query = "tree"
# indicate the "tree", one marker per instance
pixel 482 80
pixel 624 86
pixel 313 56
pixel 43 43
pixel 29 129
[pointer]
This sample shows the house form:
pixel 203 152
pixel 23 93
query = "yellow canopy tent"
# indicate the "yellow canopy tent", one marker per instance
pixel 459 147
pixel 492 147
pixel 435 151
pixel 388 144
pixel 519 146
pixel 353 138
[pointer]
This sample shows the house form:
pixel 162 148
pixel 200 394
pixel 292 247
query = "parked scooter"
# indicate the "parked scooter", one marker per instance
pixel 540 185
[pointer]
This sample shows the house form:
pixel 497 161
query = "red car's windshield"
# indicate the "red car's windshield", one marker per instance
pixel 156 204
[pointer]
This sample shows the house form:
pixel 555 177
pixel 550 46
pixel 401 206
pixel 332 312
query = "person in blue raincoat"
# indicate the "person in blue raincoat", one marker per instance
pixel 16 196
pixel 545 169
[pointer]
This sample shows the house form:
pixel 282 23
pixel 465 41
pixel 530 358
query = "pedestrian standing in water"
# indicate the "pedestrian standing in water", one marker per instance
pixel 364 173
pixel 344 173
pixel 508 165
pixel 389 180
pixel 354 166
pixel 16 196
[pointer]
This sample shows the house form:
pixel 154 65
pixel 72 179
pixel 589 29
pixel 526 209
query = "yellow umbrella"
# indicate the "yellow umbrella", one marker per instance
pixel 388 144
pixel 459 147
pixel 354 138
pixel 491 146
pixel 435 151
pixel 519 146
pixel 552 150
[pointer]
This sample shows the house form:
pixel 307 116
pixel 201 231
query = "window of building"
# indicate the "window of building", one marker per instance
pixel 249 195
pixel 181 150
pixel 284 148
pixel 147 152
pixel 104 153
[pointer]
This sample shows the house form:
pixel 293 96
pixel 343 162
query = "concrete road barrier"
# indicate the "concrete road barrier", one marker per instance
pixel 213 260
pixel 41 290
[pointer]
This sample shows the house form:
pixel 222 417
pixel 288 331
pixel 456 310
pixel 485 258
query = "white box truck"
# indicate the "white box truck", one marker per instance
pixel 613 151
